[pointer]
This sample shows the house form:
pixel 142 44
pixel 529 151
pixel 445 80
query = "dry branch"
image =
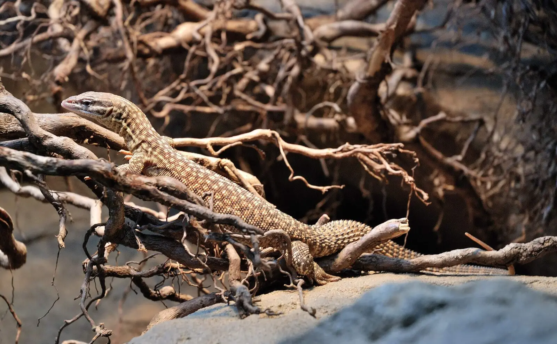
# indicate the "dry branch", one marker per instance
pixel 158 43
pixel 13 254
pixel 352 10
pixel 62 124
pixel 16 318
pixel 149 188
pixel 363 100
pixel 330 32
pixel 63 197
pixel 164 293
pixel 373 157
pixel 238 291
pixel 34 40
pixel 39 138
pixel 63 70
pixel 184 309
pixel 58 206
pixel 511 254
pixel 381 233
pixel 258 69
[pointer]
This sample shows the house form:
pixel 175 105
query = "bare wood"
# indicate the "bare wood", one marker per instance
pixel 62 124
pixel 363 100
pixel 381 233
pixel 486 247
pixel 238 291
pixel 372 156
pixel 165 293
pixel 188 7
pixel 330 32
pixel 13 254
pixel 352 10
pixel 63 70
pixel 184 309
pixel 33 40
pixel 105 172
pixel 38 137
pixel 511 254
pixel 16 318
pixel 77 200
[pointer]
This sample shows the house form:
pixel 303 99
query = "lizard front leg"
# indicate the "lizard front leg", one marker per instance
pixel 135 165
pixel 302 260
pixel 304 265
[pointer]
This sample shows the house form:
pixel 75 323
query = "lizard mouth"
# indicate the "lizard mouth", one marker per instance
pixel 74 105
pixel 71 105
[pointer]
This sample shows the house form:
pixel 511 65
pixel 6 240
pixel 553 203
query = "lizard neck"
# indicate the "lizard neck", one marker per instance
pixel 135 128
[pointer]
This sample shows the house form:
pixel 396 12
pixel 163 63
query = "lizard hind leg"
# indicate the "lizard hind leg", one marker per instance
pixel 304 265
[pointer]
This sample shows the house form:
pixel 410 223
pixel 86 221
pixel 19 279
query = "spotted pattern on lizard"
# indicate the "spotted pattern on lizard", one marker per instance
pixel 154 156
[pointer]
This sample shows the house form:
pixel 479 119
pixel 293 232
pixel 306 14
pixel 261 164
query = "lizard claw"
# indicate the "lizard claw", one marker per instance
pixel 124 152
pixel 321 277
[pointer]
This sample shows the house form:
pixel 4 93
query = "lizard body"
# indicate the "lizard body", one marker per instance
pixel 154 156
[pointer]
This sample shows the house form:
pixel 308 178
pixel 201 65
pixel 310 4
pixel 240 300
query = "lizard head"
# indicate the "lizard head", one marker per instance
pixel 113 112
pixel 103 108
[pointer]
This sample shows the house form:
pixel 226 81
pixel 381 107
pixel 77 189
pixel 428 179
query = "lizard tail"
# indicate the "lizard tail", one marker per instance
pixel 394 250
pixel 331 237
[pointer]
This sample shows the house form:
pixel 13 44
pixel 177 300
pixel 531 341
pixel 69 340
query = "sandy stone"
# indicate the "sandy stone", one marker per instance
pixel 220 324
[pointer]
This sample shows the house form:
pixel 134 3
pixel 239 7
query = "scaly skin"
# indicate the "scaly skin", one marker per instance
pixel 154 156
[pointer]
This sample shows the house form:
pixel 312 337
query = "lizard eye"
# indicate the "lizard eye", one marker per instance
pixel 86 102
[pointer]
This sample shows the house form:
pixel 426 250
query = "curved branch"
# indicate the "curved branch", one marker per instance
pixel 35 39
pixel 165 190
pixel 511 254
pixel 62 124
pixel 189 7
pixel 165 293
pixel 64 68
pixel 238 291
pixel 185 309
pixel 41 139
pixel 381 233
pixel 16 318
pixel 333 31
pixel 363 100
pixel 373 157
pixel 13 254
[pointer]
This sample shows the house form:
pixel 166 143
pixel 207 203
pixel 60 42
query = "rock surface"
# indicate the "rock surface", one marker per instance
pixel 492 310
pixel 480 312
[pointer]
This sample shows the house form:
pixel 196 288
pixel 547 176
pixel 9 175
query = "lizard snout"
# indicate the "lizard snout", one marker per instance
pixel 69 103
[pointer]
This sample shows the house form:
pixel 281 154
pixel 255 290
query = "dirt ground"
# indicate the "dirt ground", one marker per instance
pixel 214 324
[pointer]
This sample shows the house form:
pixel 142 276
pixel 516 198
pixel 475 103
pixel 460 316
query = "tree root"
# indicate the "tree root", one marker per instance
pixel 350 254
pixel 13 254
pixel 16 318
pixel 511 254
pixel 184 309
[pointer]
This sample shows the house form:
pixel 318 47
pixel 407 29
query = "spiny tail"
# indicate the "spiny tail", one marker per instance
pixel 393 250
pixel 333 236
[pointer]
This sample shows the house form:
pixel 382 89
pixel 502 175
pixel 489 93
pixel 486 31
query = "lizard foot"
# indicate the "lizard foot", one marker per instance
pixel 321 277
pixel 304 265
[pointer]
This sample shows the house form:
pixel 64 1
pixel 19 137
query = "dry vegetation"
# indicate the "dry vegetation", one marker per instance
pixel 278 81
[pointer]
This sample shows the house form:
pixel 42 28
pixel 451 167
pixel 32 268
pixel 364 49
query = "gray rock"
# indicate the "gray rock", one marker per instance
pixel 496 311
pixel 393 293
